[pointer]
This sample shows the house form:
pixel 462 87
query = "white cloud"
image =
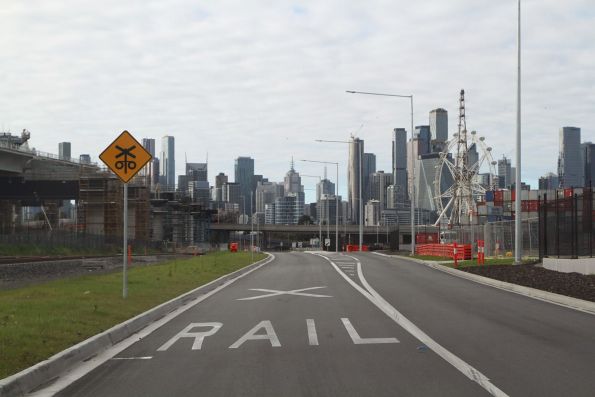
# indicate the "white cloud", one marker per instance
pixel 267 78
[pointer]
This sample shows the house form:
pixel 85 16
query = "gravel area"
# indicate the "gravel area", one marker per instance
pixel 17 275
pixel 570 284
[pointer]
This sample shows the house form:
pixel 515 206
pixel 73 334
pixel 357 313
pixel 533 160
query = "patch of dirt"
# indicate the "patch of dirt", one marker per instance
pixel 570 284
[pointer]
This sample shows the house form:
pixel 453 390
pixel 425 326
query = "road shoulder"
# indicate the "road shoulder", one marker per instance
pixel 557 299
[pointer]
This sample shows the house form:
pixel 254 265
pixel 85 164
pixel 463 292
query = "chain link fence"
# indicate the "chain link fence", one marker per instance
pixel 498 237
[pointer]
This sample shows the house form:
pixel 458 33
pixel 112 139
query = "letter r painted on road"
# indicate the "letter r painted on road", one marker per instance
pixel 198 336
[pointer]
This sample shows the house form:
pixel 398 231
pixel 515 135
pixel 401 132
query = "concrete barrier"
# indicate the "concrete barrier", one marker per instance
pixel 581 265
pixel 45 372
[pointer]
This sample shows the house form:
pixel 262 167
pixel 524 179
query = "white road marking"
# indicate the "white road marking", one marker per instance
pixel 251 335
pixel 397 317
pixel 274 292
pixel 312 335
pixel 199 337
pixel 133 358
pixel 358 340
pixel 71 376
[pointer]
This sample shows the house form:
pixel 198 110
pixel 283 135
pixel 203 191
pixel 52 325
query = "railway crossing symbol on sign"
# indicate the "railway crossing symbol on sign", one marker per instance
pixel 125 156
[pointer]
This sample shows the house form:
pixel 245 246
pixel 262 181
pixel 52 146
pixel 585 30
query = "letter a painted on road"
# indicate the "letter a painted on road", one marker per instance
pixel 125 156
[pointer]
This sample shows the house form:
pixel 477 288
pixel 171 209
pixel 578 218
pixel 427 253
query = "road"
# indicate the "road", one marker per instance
pixel 356 325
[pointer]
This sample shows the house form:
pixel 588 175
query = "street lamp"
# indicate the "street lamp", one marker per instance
pixel 319 220
pixel 412 160
pixel 360 206
pixel 336 200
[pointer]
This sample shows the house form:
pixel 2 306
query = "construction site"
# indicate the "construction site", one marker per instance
pixel 56 200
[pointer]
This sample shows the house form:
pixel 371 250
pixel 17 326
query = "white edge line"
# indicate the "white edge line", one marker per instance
pixel 69 377
pixel 406 324
pixel 529 292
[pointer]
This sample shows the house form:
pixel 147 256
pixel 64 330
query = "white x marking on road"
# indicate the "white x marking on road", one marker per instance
pixel 273 292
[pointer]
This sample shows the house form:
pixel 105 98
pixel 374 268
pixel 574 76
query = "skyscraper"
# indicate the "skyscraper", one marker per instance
pixel 197 171
pixel 504 173
pixel 400 165
pixel 244 172
pixel 570 170
pixel 292 184
pixel 588 159
pixel 356 154
pixel 324 187
pixel 267 193
pixel 64 150
pixel 549 181
pixel 151 170
pixel 168 162
pixel 422 132
pixel 379 182
pixel 439 125
pixel 368 169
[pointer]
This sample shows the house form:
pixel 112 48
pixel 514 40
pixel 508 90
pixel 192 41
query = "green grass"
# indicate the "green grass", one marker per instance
pixel 39 321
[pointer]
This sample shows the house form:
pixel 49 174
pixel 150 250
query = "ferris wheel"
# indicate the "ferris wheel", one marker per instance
pixel 465 171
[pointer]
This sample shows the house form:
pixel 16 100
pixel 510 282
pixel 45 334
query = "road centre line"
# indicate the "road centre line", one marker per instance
pixel 312 335
pixel 133 358
pixel 415 331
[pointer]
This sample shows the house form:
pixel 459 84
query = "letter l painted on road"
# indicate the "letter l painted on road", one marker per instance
pixel 357 340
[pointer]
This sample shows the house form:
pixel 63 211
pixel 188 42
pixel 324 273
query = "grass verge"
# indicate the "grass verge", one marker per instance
pixel 39 321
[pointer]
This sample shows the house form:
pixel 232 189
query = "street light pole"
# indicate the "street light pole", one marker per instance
pixel 518 238
pixel 336 200
pixel 360 164
pixel 251 229
pixel 412 160
pixel 319 219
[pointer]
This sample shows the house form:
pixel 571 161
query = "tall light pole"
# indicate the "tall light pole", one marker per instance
pixel 412 160
pixel 518 238
pixel 251 230
pixel 319 219
pixel 336 200
pixel 360 206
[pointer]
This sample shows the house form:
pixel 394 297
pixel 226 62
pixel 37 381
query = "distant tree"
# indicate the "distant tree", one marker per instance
pixel 305 220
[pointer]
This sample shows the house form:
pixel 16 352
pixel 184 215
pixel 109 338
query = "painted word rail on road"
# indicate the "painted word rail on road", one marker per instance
pixel 264 330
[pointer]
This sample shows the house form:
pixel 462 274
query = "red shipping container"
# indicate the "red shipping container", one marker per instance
pixel 568 192
pixel 499 195
pixel 513 195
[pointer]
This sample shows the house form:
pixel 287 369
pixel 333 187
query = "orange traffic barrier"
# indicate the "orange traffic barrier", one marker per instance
pixel 233 247
pixel 463 251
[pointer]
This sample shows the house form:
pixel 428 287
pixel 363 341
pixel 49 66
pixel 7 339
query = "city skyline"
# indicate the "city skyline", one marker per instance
pixel 284 83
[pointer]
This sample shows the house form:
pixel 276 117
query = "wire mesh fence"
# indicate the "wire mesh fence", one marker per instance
pixel 566 223
pixel 498 237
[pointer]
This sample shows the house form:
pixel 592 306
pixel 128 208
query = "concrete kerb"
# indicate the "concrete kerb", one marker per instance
pixel 562 300
pixel 45 372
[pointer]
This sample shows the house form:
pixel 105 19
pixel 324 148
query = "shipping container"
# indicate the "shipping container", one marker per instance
pixel 507 195
pixel 534 195
pixel 489 196
pixel 524 195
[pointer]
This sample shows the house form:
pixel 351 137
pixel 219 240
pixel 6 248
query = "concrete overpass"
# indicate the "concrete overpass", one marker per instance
pixel 225 232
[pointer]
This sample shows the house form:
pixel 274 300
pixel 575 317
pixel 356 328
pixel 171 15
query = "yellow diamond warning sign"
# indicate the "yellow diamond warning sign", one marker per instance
pixel 125 156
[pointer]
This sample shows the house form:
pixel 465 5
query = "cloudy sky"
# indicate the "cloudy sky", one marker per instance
pixel 267 78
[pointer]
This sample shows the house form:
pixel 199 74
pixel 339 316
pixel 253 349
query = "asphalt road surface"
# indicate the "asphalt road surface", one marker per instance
pixel 356 325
